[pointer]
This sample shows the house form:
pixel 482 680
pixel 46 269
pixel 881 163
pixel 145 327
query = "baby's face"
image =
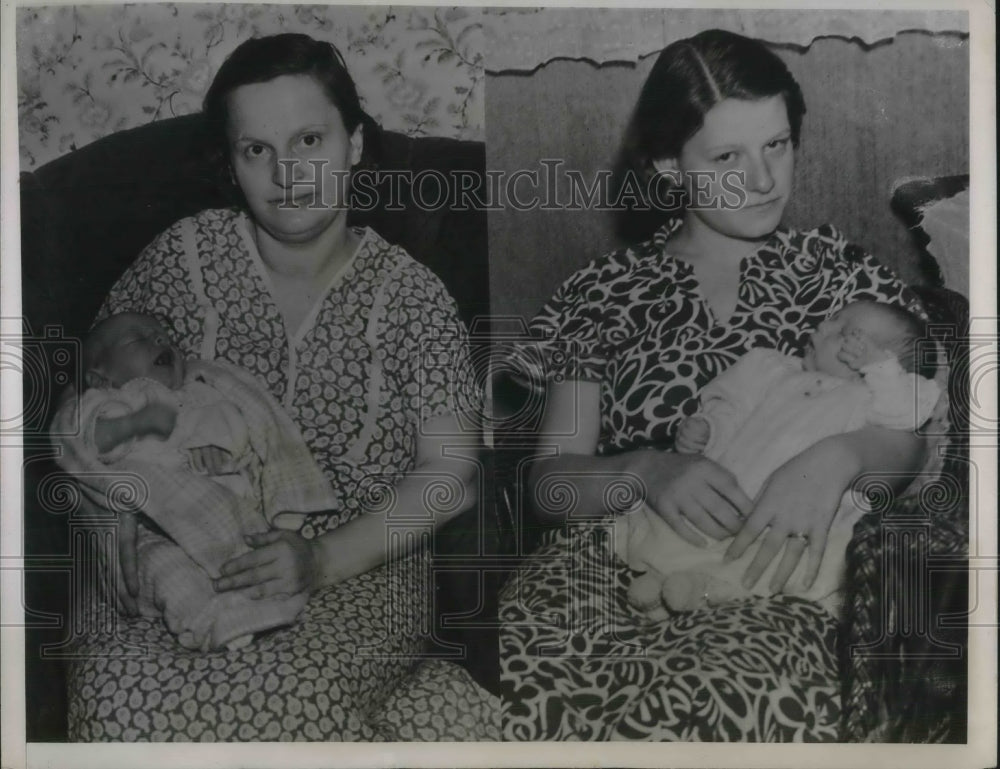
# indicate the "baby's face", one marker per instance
pixel 139 347
pixel 860 321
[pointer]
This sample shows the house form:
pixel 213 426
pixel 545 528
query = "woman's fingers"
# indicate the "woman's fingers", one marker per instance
pixel 672 515
pixel 746 536
pixel 263 538
pixel 732 515
pixel 708 497
pixel 197 458
pixel 795 546
pixel 817 544
pixel 703 511
pixel 247 569
pixel 769 548
pixel 218 460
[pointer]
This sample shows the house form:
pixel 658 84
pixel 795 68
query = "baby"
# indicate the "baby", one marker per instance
pixel 219 460
pixel 860 368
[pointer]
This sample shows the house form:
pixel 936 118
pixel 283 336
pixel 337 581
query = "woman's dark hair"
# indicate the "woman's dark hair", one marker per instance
pixel 689 78
pixel 261 59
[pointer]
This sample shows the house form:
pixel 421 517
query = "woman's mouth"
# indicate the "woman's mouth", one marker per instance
pixel 764 204
pixel 299 201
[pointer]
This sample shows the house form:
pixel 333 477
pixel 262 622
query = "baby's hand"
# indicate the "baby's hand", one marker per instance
pixel 210 460
pixel 692 435
pixel 859 350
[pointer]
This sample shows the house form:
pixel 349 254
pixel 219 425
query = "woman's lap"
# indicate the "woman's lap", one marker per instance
pixel 759 671
pixel 346 670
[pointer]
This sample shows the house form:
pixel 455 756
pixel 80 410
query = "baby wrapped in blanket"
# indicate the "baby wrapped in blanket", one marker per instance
pixel 763 411
pixel 220 461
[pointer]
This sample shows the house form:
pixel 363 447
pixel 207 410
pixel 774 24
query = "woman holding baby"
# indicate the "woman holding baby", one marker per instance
pixel 652 325
pixel 336 324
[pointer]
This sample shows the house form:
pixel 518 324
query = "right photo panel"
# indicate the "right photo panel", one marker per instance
pixel 729 281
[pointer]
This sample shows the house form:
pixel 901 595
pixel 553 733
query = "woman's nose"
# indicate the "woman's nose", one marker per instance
pixel 759 176
pixel 281 173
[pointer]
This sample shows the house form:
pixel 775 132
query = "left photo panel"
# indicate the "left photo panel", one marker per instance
pixel 258 497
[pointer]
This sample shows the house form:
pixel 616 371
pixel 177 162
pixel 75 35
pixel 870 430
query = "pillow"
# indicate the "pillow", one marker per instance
pixel 937 211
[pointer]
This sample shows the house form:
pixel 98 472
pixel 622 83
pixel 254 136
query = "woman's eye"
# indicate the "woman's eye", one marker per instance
pixel 777 144
pixel 253 151
pixel 725 157
pixel 310 141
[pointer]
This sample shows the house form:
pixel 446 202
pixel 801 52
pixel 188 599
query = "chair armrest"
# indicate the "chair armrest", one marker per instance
pixel 902 642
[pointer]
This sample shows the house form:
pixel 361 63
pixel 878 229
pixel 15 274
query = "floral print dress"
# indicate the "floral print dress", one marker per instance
pixel 382 351
pixel 576 661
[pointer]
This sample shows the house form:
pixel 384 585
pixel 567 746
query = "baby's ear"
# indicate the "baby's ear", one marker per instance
pixel 94 378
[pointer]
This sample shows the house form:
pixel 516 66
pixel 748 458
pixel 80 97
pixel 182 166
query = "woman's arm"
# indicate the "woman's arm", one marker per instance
pixel 363 544
pixel 798 503
pixel 688 491
pixel 285 562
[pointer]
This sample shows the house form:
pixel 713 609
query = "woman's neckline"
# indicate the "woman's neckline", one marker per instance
pixel 670 232
pixel 692 267
pixel 308 320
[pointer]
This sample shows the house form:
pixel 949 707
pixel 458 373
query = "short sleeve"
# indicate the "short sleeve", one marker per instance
pixel 427 345
pixel 567 330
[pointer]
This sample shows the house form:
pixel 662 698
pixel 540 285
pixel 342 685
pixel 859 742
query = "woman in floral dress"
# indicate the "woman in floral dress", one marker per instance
pixel 364 348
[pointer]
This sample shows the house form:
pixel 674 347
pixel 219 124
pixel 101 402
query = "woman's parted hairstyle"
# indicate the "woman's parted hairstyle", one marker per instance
pixel 261 59
pixel 693 75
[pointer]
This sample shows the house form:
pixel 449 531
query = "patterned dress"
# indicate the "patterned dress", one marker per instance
pixel 576 660
pixel 382 351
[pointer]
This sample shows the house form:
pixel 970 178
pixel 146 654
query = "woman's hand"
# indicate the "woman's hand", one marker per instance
pixel 281 562
pixel 796 507
pixel 691 492
pixel 210 460
pixel 859 350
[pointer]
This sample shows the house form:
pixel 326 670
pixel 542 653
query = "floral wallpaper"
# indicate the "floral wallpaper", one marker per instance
pixel 87 71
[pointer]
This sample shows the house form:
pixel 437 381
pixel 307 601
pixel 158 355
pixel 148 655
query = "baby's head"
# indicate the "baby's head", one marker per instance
pixel 130 346
pixel 883 330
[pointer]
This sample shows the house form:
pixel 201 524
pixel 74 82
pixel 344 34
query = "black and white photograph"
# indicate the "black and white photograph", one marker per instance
pixel 460 384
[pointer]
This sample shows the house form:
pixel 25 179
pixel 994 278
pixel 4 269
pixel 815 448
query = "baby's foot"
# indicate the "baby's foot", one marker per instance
pixel 239 642
pixel 685 591
pixel 644 595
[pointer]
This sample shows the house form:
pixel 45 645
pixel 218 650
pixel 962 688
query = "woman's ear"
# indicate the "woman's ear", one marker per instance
pixel 668 167
pixel 357 144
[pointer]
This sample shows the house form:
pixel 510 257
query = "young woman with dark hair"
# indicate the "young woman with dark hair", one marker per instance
pixel 338 324
pixel 651 325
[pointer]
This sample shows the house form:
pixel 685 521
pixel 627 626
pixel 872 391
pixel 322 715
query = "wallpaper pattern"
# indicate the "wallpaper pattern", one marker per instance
pixel 87 71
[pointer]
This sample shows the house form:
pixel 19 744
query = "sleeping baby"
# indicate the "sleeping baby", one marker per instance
pixel 218 460
pixel 859 369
